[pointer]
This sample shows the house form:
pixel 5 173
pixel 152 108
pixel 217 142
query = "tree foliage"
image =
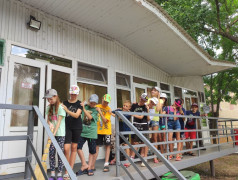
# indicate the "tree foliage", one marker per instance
pixel 214 25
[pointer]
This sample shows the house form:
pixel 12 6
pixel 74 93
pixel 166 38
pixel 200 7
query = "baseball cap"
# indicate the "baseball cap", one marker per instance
pixel 74 89
pixel 93 98
pixel 107 98
pixel 157 89
pixel 144 97
pixel 154 100
pixel 178 102
pixel 163 95
pixel 50 93
pixel 194 104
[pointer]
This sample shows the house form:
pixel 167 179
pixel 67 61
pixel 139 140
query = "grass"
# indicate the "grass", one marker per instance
pixel 226 168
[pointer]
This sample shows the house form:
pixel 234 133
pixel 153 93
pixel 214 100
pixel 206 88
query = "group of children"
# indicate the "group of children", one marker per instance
pixel 74 122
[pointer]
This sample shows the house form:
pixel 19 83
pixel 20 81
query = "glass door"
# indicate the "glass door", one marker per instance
pixel 138 90
pixel 26 82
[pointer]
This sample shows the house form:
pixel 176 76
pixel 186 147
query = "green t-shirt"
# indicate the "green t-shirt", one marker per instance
pixel 54 120
pixel 90 126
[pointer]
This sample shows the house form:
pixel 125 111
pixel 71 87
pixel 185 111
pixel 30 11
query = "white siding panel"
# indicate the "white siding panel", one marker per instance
pixel 74 42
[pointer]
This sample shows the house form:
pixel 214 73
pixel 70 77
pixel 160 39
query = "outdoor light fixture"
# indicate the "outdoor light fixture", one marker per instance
pixel 33 23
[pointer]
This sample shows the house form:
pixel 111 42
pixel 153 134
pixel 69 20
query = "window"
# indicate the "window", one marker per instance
pixel 177 92
pixel 0 75
pixel 144 81
pixel 169 103
pixel 86 90
pixel 201 97
pixel 2 43
pixel 122 95
pixel 123 80
pixel 188 92
pixel 29 53
pixel 92 73
pixel 164 87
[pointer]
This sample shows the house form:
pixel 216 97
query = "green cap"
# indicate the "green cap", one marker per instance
pixel 107 98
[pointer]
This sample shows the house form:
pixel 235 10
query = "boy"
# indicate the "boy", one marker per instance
pixel 89 133
pixel 191 125
pixel 123 127
pixel 104 129
pixel 140 122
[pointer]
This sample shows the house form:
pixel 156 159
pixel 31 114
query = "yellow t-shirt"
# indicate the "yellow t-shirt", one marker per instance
pixel 104 128
pixel 156 118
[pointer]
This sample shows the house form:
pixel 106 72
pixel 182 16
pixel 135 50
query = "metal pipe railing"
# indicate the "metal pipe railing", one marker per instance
pixel 229 133
pixel 29 147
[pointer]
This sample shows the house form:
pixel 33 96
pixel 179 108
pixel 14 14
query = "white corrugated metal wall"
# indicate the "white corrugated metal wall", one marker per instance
pixel 65 39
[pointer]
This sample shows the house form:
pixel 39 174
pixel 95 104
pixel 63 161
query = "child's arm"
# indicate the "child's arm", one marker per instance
pixel 89 116
pixel 58 124
pixel 100 113
pixel 110 111
pixel 74 115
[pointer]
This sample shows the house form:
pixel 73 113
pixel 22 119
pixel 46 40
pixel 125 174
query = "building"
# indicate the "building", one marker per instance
pixel 120 47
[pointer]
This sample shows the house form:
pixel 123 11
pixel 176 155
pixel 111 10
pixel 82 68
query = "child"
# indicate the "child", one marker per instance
pixel 73 126
pixel 104 129
pixel 173 124
pixel 123 127
pixel 162 136
pixel 89 133
pixel 56 120
pixel 191 125
pixel 181 121
pixel 151 107
pixel 140 122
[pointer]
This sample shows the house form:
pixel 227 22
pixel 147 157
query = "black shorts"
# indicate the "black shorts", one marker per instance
pixel 122 141
pixel 135 138
pixel 72 135
pixel 91 144
pixel 103 140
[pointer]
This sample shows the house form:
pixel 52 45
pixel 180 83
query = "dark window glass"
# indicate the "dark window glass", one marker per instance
pixel 164 87
pixel 144 81
pixel 178 92
pixel 123 80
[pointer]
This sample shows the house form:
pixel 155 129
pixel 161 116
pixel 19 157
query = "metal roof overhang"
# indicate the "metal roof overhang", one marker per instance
pixel 143 27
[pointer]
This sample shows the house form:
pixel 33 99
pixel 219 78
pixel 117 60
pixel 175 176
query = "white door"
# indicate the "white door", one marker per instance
pixel 26 82
pixel 60 79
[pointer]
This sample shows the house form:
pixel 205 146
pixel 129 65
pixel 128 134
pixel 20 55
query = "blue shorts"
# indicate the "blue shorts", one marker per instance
pixel 154 123
pixel 174 125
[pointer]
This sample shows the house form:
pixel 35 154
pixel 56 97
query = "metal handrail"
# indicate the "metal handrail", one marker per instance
pixel 30 148
pixel 120 114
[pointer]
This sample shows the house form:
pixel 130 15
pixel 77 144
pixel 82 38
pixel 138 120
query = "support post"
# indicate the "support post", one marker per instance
pixel 30 131
pixel 212 168
pixel 117 147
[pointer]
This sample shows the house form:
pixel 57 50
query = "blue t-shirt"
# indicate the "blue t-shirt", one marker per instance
pixel 181 119
pixel 122 124
pixel 191 122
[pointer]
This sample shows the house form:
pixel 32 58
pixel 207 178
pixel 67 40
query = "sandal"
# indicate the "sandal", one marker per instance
pixel 90 172
pixel 171 157
pixel 106 169
pixel 82 172
pixel 113 162
pixel 127 165
pixel 178 158
pixel 191 154
pixel 156 161
pixel 66 176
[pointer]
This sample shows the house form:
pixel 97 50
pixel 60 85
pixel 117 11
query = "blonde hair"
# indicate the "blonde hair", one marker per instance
pixel 127 101
pixel 57 103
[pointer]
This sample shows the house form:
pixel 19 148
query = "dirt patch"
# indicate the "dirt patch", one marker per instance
pixel 226 168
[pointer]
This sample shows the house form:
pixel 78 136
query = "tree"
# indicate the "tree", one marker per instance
pixel 214 25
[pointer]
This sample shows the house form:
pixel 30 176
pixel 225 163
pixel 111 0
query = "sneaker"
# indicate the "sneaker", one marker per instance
pixel 142 164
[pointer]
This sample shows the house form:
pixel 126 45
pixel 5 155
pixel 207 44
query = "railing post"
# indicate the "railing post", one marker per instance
pixel 167 136
pixel 232 134
pixel 197 142
pixel 218 136
pixel 30 131
pixel 226 132
pixel 117 147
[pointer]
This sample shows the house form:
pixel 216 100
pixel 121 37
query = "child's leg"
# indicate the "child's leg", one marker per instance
pixel 73 154
pixel 92 153
pixel 52 159
pixel 95 157
pixel 178 139
pixel 170 138
pixel 60 140
pixel 107 153
pixel 154 138
pixel 67 153
pixel 84 165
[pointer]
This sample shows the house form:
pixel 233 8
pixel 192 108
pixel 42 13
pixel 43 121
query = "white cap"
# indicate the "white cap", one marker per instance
pixel 144 97
pixel 154 100
pixel 163 95
pixel 50 93
pixel 93 98
pixel 74 89
pixel 157 89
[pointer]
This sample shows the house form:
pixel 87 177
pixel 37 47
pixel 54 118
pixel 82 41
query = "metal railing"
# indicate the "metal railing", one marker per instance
pixel 29 172
pixel 228 128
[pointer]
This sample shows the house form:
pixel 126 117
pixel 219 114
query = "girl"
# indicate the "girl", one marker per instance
pixel 73 109
pixel 56 120
pixel 173 124
pixel 161 136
